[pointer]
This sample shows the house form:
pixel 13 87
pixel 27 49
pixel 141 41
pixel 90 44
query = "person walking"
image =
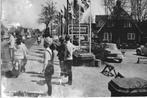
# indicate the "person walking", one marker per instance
pixel 48 68
pixel 70 48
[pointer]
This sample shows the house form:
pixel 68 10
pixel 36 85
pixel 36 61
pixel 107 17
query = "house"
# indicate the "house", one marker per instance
pixel 119 27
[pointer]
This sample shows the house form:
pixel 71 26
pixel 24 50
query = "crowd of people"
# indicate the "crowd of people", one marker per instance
pixel 19 52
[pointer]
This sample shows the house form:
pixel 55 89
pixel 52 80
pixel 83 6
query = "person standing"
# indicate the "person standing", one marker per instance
pixel 11 43
pixel 69 59
pixel 48 68
pixel 61 50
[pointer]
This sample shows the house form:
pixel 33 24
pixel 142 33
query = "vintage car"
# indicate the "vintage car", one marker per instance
pixel 108 51
pixel 142 50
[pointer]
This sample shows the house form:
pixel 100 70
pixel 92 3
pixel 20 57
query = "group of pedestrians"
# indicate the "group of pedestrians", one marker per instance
pixel 65 50
pixel 65 55
pixel 18 52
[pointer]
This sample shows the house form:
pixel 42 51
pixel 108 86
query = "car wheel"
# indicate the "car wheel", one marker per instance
pixel 120 60
pixel 138 52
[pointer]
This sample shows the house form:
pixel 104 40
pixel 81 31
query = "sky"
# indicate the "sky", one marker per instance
pixel 26 12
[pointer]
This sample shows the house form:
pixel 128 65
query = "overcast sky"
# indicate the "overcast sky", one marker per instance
pixel 25 12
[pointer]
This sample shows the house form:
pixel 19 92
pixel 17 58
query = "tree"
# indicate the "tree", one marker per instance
pixel 48 13
pixel 136 8
pixel 139 9
pixel 109 5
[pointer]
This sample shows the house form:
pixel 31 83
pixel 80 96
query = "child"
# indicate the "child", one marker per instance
pixel 48 68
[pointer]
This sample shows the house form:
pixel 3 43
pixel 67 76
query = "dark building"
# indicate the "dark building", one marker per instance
pixel 119 27
pixel 143 27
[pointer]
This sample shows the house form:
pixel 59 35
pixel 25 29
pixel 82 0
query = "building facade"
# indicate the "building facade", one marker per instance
pixel 119 27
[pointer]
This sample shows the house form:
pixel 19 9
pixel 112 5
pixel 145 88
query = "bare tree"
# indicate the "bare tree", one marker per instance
pixel 109 5
pixel 139 9
pixel 48 13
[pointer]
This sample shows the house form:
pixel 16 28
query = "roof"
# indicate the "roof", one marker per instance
pixel 118 14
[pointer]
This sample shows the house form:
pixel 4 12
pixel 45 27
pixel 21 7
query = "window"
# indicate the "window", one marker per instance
pixel 127 25
pixel 131 36
pixel 107 36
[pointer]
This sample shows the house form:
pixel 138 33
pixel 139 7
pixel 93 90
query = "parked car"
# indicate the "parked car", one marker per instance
pixel 109 51
pixel 142 50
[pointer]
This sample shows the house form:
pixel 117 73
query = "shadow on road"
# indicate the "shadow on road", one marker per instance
pixel 32 72
pixel 40 61
pixel 39 52
pixel 38 75
pixel 28 94
pixel 39 82
pixel 40 49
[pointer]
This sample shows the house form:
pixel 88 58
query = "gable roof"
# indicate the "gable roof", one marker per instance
pixel 118 14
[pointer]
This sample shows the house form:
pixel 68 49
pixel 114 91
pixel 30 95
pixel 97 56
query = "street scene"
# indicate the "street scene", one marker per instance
pixel 73 48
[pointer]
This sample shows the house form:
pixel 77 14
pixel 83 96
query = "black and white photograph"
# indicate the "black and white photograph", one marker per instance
pixel 73 48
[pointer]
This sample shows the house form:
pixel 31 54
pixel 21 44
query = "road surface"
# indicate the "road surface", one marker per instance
pixel 87 81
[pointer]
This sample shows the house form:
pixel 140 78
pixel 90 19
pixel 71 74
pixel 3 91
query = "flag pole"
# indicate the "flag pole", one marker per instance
pixel 61 23
pixel 79 27
pixel 67 17
pixel 90 27
pixel 72 20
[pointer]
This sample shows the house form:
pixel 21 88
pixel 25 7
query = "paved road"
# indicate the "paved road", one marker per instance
pixel 130 68
pixel 87 81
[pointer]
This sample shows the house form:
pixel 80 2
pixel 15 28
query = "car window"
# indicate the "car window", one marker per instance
pixel 111 46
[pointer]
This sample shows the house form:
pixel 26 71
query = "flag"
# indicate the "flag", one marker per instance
pixel 75 5
pixel 86 3
pixel 78 10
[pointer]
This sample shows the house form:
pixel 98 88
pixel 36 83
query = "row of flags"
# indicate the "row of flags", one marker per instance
pixel 75 10
pixel 72 13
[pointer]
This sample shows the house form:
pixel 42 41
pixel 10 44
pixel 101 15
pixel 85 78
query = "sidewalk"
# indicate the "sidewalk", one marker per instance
pixel 87 81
